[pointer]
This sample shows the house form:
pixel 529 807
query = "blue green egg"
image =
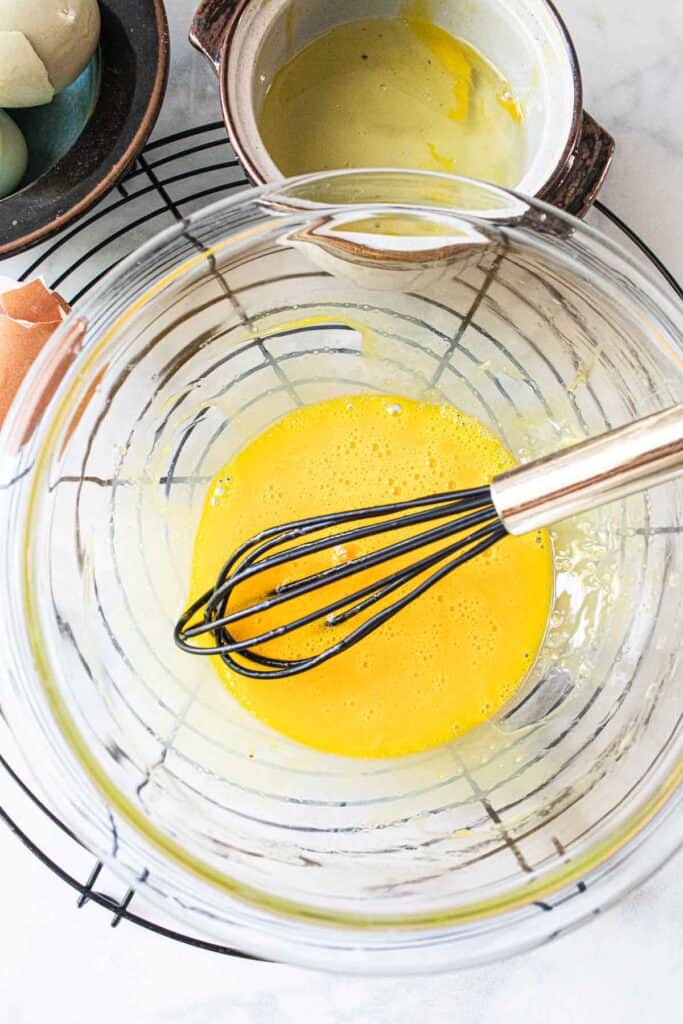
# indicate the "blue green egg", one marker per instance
pixel 49 131
pixel 13 155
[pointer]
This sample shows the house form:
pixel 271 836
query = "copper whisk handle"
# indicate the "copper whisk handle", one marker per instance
pixel 641 454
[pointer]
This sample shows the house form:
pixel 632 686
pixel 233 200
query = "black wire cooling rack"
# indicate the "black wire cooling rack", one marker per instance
pixel 174 176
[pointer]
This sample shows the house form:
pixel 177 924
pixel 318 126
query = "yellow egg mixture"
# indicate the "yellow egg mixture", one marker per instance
pixel 396 92
pixel 444 664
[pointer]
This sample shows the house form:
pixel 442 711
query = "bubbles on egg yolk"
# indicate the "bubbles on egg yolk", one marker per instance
pixel 444 664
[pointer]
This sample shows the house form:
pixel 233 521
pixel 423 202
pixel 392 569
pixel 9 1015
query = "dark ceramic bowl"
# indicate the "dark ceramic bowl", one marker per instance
pixel 82 142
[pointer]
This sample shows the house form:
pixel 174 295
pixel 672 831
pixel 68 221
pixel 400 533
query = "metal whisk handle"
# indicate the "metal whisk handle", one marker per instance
pixel 646 452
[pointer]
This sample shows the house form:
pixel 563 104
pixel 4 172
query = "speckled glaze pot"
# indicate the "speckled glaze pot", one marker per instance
pixel 117 104
pixel 246 41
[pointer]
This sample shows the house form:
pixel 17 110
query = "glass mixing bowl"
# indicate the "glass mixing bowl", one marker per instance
pixel 412 284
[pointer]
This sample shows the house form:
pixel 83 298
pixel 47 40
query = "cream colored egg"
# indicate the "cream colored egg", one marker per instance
pixel 13 155
pixel 23 78
pixel 63 33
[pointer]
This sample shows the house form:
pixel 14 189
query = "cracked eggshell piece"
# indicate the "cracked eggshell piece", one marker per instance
pixel 23 77
pixel 63 33
pixel 13 155
pixel 29 314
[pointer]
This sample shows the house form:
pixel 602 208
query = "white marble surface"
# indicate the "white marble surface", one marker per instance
pixel 630 52
pixel 66 966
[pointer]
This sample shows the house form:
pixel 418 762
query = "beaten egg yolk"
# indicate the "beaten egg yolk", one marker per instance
pixel 448 661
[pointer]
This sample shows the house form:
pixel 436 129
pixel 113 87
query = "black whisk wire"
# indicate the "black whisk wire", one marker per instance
pixel 467 512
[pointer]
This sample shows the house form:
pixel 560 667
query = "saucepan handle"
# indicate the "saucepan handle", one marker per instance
pixel 585 172
pixel 209 26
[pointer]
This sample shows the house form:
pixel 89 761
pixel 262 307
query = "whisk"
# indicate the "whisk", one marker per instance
pixel 584 476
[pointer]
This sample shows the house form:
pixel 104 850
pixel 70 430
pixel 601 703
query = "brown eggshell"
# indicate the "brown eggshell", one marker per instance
pixel 34 303
pixel 19 346
pixel 29 314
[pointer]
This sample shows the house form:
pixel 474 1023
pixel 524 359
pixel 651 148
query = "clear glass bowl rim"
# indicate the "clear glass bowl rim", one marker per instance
pixel 632 855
